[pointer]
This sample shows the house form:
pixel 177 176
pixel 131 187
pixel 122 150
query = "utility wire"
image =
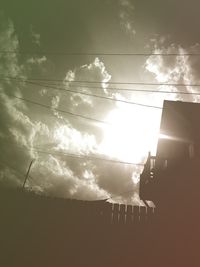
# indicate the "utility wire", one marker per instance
pixel 70 155
pixel 101 82
pixel 130 89
pixel 82 93
pixel 78 156
pixel 97 96
pixel 95 53
pixel 59 110
pixel 68 112
pixel 112 88
pixel 54 86
pixel 87 157
pixel 128 83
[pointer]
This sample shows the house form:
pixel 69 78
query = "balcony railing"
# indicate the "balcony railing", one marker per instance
pixel 153 169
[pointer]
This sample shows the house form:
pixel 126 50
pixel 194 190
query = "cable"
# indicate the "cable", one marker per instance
pixel 121 162
pixel 100 82
pixel 95 54
pixel 97 96
pixel 59 110
pixel 53 86
pixel 128 83
pixel 131 90
pixel 79 156
pixel 82 93
pixel 68 112
pixel 116 89
pixel 86 157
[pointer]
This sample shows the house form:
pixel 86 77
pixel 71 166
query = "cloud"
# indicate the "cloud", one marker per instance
pixel 37 60
pixel 22 130
pixel 56 177
pixel 27 128
pixel 35 36
pixel 8 42
pixel 14 124
pixel 174 69
pixel 88 74
pixel 92 72
pixel 71 140
pixel 115 180
pixel 126 16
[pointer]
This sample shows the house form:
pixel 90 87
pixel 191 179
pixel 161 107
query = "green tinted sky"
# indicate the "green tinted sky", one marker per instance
pixel 46 28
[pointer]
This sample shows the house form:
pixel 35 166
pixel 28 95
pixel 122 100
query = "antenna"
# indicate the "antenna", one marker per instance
pixel 27 174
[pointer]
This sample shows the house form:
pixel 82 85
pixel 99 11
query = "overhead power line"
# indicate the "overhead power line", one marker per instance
pixel 59 110
pixel 54 86
pixel 130 89
pixel 95 53
pixel 128 83
pixel 101 82
pixel 76 156
pixel 86 157
pixel 97 96
pixel 63 111
pixel 83 93
pixel 116 89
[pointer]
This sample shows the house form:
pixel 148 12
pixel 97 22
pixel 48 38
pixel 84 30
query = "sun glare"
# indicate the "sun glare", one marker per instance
pixel 132 133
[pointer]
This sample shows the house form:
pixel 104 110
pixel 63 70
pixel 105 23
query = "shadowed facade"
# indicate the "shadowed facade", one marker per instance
pixel 171 180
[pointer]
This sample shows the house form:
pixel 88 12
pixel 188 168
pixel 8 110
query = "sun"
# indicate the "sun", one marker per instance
pixel 132 132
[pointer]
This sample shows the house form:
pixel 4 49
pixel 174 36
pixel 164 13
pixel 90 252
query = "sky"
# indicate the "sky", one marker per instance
pixel 57 44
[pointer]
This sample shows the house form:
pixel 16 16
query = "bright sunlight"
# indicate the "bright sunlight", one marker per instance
pixel 131 134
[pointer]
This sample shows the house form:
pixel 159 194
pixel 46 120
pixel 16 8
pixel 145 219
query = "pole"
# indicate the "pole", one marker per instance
pixel 27 174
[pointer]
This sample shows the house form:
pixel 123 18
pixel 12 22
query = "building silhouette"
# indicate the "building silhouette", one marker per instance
pixel 171 179
pixel 173 174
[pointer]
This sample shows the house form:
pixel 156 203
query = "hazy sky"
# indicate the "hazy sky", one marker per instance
pixel 89 26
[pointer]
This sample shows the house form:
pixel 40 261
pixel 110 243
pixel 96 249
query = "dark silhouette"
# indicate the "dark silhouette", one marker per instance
pixel 44 231
pixel 172 181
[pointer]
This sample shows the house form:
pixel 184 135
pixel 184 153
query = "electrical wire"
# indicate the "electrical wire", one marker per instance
pixel 95 53
pixel 83 93
pixel 97 96
pixel 86 157
pixel 76 156
pixel 101 82
pixel 54 86
pixel 59 110
pixel 129 90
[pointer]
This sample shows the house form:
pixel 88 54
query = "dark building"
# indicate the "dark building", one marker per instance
pixel 174 173
pixel 171 179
